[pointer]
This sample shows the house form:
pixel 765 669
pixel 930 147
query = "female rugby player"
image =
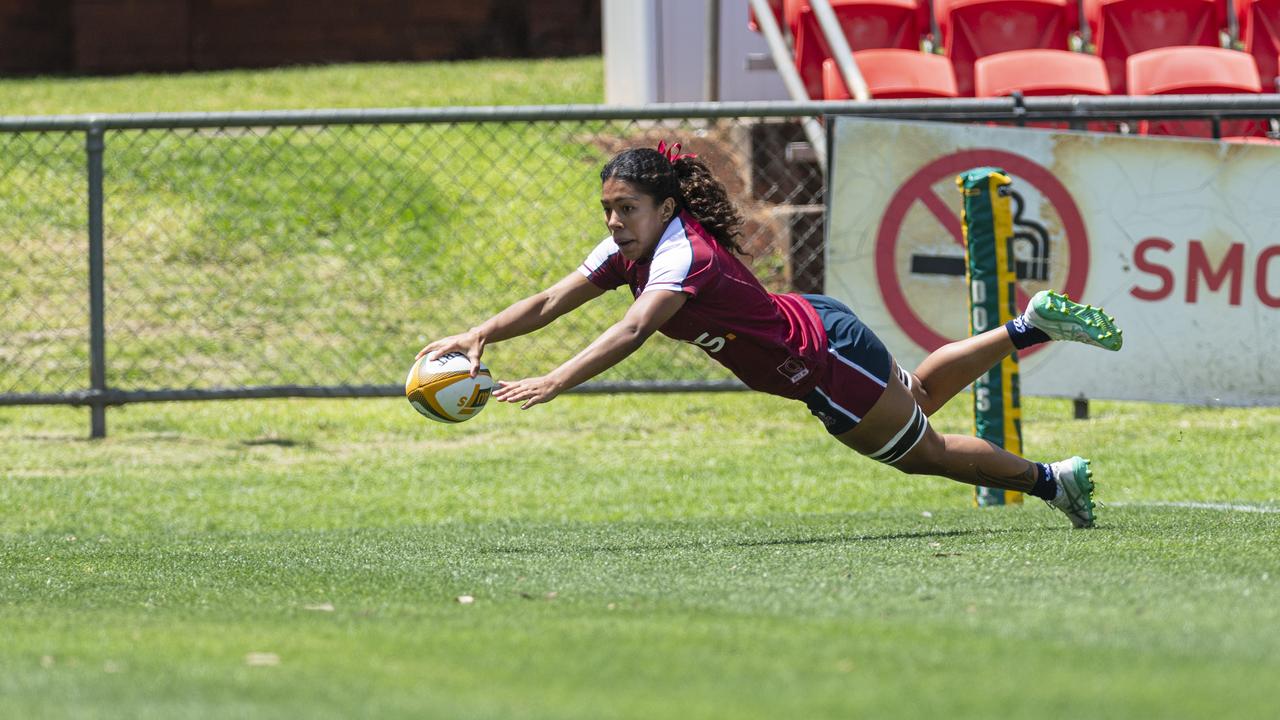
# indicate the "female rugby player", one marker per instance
pixel 672 240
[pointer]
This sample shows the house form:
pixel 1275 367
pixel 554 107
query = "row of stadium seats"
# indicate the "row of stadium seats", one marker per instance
pixel 1120 57
pixel 897 73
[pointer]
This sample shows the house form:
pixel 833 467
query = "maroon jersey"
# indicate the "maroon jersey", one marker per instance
pixel 773 343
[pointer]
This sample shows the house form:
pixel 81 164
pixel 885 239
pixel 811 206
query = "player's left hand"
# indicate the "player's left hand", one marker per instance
pixel 530 391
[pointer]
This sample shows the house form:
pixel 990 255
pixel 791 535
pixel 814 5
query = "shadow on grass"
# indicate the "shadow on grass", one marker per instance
pixel 278 442
pixel 843 538
pixel 838 539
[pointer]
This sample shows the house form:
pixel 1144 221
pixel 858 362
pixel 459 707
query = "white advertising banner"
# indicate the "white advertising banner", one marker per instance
pixel 1178 239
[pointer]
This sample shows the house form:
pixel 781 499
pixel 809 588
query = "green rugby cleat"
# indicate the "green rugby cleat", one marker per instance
pixel 1062 319
pixel 1075 490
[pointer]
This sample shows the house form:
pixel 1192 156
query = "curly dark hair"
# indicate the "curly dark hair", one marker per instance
pixel 689 181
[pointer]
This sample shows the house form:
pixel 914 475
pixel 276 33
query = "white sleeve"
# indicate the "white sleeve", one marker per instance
pixel 672 261
pixel 598 257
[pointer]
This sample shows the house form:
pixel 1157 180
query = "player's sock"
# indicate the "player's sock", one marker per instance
pixel 1046 487
pixel 1024 334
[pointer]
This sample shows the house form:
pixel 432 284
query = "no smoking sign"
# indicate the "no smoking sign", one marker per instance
pixel 919 251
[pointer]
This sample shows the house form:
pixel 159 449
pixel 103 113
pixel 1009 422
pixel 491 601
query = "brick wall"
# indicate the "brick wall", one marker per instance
pixel 122 36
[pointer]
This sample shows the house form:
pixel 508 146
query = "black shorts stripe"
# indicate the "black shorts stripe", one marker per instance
pixel 906 439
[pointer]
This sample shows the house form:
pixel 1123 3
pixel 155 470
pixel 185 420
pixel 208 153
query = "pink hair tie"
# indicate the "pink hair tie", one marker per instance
pixel 672 153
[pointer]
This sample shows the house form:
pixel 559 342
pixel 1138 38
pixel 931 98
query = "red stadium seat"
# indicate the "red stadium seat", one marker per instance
pixel 976 28
pixel 791 11
pixel 1121 28
pixel 1039 72
pixel 867 24
pixel 894 73
pixel 793 8
pixel 1042 72
pixel 775 6
pixel 1190 70
pixel 1260 33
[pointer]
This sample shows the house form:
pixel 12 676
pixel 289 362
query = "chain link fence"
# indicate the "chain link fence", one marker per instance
pixel 259 260
pixel 274 254
pixel 44 296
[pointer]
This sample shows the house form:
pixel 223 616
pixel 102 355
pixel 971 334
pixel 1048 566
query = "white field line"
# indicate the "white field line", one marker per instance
pixel 1228 507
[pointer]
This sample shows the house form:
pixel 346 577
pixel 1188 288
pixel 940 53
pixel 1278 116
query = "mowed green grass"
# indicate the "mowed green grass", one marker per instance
pixel 701 555
pixel 365 85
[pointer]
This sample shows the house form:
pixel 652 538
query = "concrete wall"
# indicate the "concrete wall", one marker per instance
pixel 655 51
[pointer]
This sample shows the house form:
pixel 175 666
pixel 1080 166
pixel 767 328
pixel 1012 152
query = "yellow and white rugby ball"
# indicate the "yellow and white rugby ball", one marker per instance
pixel 443 389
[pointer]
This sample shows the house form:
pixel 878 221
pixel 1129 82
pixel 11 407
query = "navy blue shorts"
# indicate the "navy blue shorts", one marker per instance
pixel 858 371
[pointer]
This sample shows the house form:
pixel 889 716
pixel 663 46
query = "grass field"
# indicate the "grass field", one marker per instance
pixel 649 556
pixel 479 82
pixel 698 556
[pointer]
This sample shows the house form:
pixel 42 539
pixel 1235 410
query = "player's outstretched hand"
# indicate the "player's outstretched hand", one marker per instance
pixel 468 343
pixel 530 391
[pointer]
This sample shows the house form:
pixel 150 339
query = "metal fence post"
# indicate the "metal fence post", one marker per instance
pixel 711 73
pixel 94 145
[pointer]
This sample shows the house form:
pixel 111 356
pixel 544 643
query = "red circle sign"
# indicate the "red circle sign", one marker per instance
pixel 919 188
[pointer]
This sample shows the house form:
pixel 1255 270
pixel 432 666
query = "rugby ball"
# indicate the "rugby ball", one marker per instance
pixel 443 389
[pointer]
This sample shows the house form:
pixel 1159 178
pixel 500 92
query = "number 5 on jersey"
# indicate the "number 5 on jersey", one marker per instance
pixel 711 344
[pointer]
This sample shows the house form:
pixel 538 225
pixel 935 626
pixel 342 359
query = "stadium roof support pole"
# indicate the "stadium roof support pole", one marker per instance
pixel 1086 35
pixel 711 74
pixel 840 49
pixel 790 76
pixel 1233 28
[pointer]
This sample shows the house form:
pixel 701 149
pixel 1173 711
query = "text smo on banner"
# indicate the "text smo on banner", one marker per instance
pixel 1160 258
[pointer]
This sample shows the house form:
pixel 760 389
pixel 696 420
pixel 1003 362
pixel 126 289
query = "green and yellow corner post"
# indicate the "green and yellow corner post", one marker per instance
pixel 987 223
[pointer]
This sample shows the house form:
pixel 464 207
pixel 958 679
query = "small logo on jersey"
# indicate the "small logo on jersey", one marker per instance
pixel 794 370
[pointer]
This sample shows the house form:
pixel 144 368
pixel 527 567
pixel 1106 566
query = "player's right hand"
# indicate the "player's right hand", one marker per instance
pixel 469 343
